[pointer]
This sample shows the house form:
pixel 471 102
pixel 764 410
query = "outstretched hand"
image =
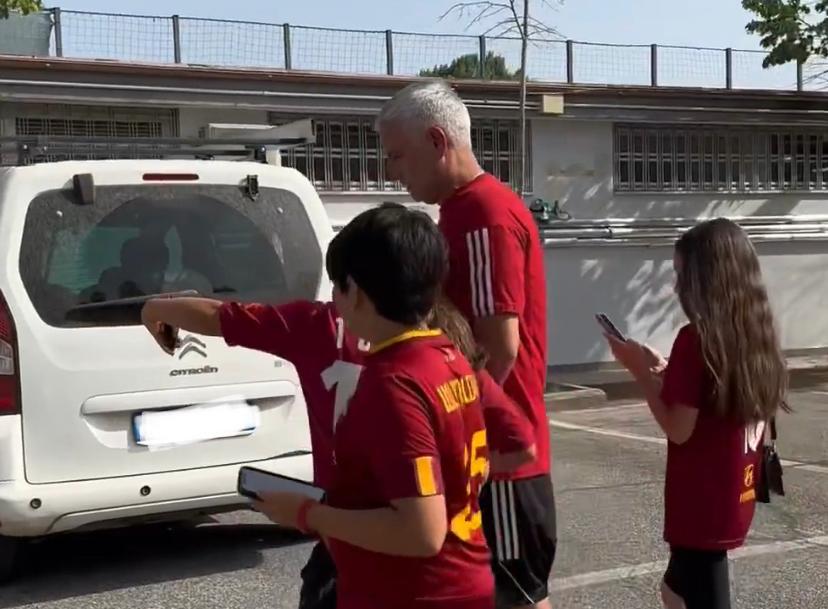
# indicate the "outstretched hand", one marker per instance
pixel 164 334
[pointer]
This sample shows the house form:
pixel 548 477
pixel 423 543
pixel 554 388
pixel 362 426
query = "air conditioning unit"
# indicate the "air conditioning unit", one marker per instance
pixel 272 138
pixel 300 130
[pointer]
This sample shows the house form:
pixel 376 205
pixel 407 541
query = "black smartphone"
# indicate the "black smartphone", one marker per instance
pixel 609 327
pixel 170 335
pixel 253 481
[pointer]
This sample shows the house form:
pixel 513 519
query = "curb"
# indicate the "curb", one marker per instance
pixel 617 384
pixel 566 396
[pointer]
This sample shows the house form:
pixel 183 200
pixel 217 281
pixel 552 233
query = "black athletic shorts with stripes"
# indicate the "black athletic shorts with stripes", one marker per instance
pixel 520 527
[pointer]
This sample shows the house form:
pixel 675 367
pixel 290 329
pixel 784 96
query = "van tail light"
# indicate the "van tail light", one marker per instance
pixel 9 372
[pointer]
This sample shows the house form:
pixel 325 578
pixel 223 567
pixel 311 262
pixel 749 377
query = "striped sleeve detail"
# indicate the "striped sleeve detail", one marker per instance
pixel 480 272
pixel 507 542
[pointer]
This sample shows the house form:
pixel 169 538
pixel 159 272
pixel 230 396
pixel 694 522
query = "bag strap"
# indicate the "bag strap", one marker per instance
pixel 773 429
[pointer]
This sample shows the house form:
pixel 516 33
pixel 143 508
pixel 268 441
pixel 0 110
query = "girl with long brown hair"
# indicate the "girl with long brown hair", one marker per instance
pixel 726 378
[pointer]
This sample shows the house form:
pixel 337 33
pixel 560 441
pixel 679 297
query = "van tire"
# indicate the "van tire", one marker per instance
pixel 9 553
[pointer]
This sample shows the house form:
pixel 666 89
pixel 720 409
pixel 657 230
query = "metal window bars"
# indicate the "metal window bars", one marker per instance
pixel 683 159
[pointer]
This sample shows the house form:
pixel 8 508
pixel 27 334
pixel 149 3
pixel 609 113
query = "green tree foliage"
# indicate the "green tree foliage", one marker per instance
pixel 23 6
pixel 468 66
pixel 792 30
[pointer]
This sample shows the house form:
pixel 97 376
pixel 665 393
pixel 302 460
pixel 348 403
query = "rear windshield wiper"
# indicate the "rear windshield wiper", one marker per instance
pixel 119 310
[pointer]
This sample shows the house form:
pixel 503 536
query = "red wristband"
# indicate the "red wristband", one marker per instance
pixel 302 516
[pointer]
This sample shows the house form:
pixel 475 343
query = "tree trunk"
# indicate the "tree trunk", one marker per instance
pixel 523 60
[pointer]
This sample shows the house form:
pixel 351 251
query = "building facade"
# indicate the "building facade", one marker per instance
pixel 629 168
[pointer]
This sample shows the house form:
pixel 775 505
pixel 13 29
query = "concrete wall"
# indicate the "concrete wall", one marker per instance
pixel 633 285
pixel 344 206
pixel 572 162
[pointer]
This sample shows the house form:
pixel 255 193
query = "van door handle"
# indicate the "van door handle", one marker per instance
pixel 263 392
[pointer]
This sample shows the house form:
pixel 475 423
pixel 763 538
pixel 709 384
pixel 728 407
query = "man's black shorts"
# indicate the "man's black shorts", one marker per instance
pixel 318 580
pixel 700 577
pixel 520 527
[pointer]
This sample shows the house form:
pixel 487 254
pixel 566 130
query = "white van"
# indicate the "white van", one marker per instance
pixel 82 244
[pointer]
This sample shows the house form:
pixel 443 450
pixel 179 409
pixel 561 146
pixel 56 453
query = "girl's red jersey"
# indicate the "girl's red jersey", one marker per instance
pixel 710 491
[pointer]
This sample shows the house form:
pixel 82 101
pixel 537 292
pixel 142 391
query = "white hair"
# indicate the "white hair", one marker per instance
pixel 429 104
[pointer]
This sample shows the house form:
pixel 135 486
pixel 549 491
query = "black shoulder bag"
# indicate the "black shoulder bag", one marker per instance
pixel 770 475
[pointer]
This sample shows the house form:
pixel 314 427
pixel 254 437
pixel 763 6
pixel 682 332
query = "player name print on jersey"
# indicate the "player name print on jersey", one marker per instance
pixel 458 392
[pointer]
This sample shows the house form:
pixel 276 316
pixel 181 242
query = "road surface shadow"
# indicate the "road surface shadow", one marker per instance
pixel 72 565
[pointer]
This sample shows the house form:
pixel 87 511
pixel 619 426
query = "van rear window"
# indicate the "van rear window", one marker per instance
pixel 142 240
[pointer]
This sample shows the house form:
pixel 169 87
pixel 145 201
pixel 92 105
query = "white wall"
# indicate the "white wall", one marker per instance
pixel 634 286
pixel 342 207
pixel 572 162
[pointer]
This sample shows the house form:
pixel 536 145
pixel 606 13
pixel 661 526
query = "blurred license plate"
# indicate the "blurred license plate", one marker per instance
pixel 192 424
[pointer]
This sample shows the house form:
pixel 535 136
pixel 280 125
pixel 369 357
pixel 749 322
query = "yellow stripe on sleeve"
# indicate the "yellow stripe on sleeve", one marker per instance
pixel 424 471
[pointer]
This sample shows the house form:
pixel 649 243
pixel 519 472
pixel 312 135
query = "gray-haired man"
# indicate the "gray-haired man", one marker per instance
pixel 497 280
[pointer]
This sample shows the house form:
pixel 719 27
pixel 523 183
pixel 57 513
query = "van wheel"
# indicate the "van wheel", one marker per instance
pixel 9 553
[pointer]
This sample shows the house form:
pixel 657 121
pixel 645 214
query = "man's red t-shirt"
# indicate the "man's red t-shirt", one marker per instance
pixel 496 268
pixel 710 482
pixel 312 336
pixel 414 428
pixel 507 429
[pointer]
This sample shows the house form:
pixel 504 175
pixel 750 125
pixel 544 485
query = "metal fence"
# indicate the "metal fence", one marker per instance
pixel 221 43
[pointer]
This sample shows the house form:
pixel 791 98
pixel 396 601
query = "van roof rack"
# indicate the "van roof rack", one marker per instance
pixel 242 142
pixel 26 150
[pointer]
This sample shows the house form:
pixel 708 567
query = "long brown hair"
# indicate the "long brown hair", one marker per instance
pixel 446 317
pixel 722 293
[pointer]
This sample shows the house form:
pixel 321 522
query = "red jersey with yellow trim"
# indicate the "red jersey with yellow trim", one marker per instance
pixel 312 336
pixel 710 493
pixel 496 268
pixel 414 428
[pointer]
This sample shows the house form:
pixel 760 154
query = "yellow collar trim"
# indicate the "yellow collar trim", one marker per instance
pixel 410 334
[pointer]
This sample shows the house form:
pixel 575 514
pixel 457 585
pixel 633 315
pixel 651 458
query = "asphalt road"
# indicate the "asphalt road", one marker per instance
pixel 608 472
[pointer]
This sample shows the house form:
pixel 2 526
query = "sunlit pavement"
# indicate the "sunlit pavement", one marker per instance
pixel 608 465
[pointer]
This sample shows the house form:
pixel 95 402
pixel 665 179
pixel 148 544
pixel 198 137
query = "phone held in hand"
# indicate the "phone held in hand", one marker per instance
pixel 252 482
pixel 170 335
pixel 609 327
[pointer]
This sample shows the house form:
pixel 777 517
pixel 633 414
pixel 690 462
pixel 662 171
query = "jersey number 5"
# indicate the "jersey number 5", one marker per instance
pixel 466 522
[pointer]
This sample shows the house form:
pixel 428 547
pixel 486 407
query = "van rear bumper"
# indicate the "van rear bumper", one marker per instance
pixel 70 505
